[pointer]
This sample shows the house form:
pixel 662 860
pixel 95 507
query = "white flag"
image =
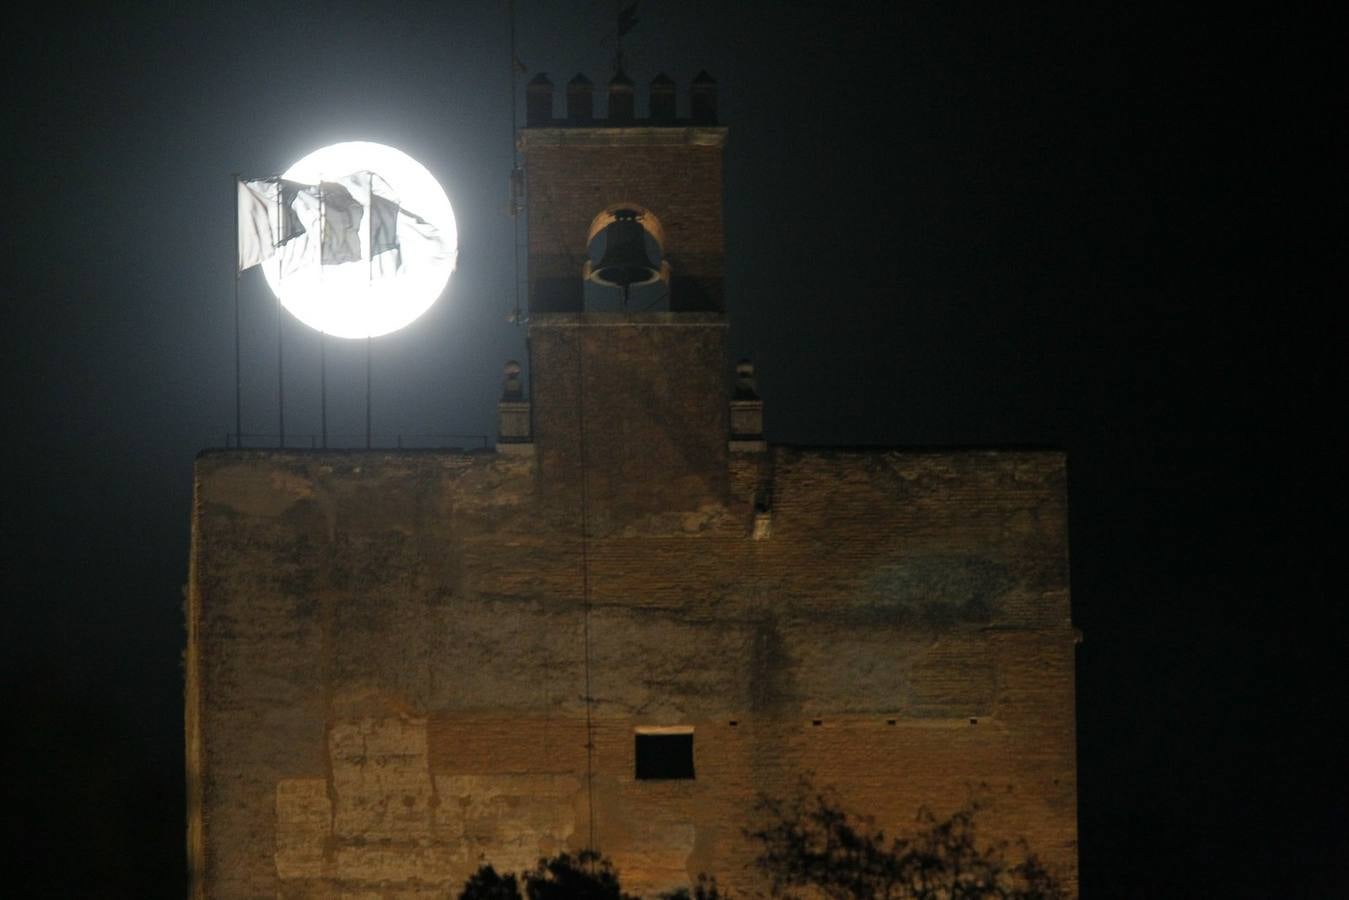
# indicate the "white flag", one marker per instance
pixel 279 216
pixel 421 244
pixel 257 228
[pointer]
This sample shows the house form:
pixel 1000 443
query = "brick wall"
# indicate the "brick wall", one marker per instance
pixel 387 661
pixel 652 390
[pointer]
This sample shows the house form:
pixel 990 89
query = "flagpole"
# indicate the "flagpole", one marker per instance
pixel 323 387
pixel 369 286
pixel 323 335
pixel 280 332
pixel 238 390
pixel 370 230
pixel 280 378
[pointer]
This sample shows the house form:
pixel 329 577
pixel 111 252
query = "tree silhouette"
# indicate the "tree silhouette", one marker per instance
pixel 487 884
pixel 810 842
pixel 705 888
pixel 585 876
pixel 810 845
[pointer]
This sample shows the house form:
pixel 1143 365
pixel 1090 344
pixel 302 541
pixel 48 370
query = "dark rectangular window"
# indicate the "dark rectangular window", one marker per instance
pixel 664 755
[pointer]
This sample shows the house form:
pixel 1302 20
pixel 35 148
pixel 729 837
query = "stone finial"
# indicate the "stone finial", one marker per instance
pixel 746 410
pixel 746 386
pixel 580 98
pixel 512 386
pixel 622 99
pixel 662 98
pixel 514 429
pixel 539 100
pixel 704 99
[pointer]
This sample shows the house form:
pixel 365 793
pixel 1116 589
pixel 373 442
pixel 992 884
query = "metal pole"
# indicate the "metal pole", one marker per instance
pixel 280 331
pixel 280 374
pixel 281 379
pixel 323 387
pixel 323 335
pixel 369 287
pixel 238 389
pixel 517 181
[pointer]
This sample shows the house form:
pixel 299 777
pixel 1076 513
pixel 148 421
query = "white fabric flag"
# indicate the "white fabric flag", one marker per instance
pixel 420 243
pixel 257 228
pixel 278 216
pixel 416 244
pixel 343 218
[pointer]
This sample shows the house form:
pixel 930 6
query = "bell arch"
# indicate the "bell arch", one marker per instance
pixel 625 268
pixel 646 217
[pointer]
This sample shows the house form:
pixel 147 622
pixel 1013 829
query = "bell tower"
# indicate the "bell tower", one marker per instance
pixel 583 171
pixel 627 326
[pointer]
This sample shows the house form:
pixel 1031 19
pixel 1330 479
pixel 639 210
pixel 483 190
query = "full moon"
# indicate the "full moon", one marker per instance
pixel 369 296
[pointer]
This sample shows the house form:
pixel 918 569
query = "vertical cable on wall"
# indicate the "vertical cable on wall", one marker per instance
pixel 585 586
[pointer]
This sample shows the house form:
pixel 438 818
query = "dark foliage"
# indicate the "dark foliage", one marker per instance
pixel 585 876
pixel 810 843
pixel 705 889
pixel 487 884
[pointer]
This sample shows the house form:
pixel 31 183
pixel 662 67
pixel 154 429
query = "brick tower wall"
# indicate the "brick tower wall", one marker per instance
pixel 652 390
pixel 387 662
pixel 574 174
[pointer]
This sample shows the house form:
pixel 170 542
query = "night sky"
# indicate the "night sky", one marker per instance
pixel 1106 230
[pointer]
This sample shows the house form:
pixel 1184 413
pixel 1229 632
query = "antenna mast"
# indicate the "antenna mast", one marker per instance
pixel 627 20
pixel 517 185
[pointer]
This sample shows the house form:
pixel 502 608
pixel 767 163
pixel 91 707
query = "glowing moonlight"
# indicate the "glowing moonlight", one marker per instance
pixel 368 297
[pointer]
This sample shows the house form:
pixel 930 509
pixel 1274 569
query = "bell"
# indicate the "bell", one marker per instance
pixel 626 262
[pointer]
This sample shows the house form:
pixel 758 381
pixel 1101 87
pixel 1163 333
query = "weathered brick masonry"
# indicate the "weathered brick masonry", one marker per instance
pixel 388 660
pixel 396 660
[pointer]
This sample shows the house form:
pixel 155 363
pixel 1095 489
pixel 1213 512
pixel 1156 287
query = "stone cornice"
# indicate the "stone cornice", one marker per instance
pixel 625 136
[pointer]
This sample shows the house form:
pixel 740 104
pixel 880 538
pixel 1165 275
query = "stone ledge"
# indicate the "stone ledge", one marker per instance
pixel 624 136
pixel 621 319
pixel 515 448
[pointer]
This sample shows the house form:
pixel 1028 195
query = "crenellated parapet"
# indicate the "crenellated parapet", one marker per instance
pixel 621 106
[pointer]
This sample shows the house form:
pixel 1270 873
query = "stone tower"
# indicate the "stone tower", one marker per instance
pixel 633 616
pixel 651 384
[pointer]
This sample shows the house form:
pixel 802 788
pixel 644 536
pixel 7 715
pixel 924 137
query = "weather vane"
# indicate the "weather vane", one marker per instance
pixel 627 20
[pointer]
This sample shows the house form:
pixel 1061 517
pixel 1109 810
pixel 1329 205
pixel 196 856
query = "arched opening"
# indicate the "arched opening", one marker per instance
pixel 625 270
